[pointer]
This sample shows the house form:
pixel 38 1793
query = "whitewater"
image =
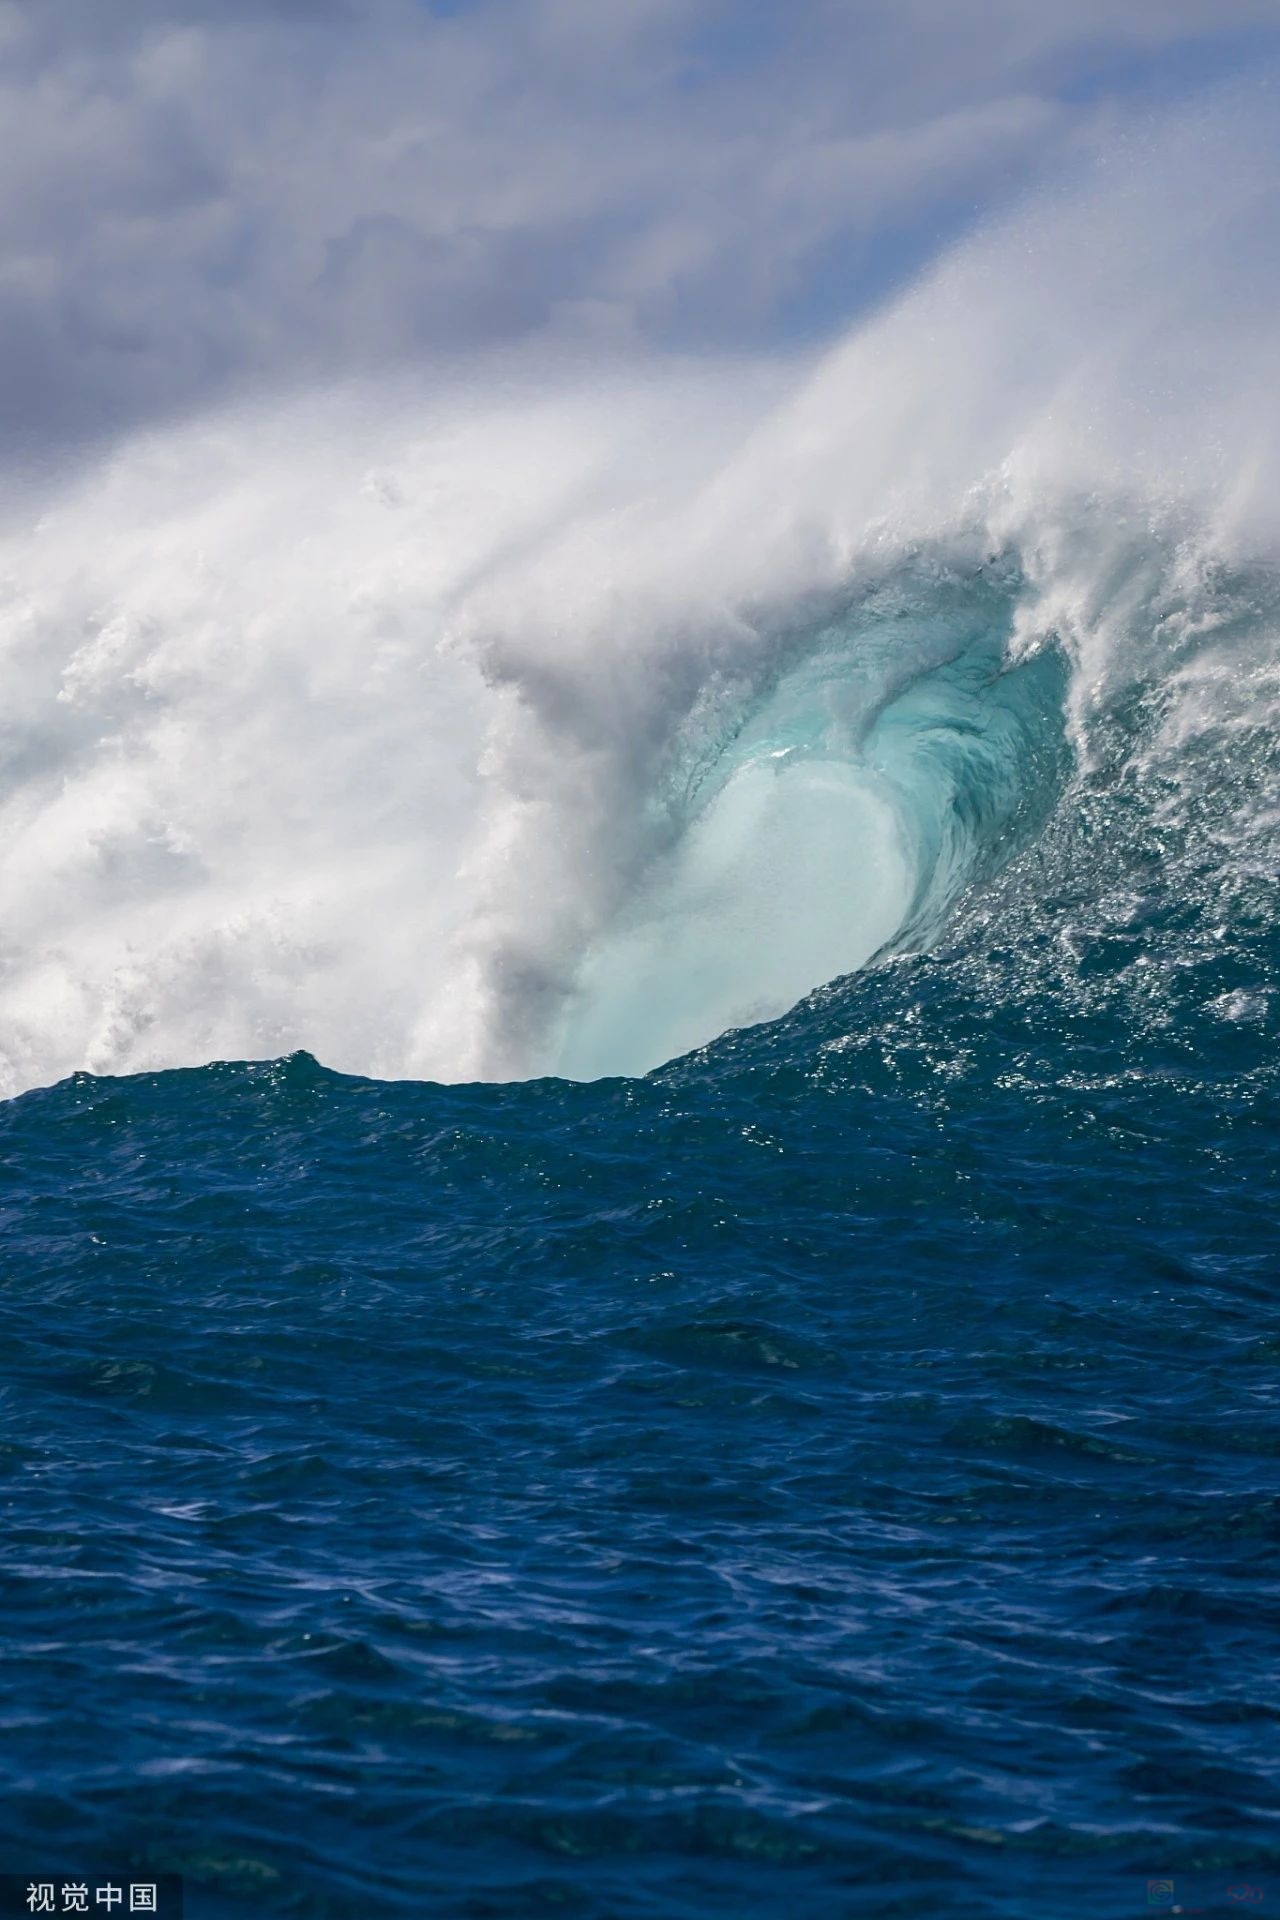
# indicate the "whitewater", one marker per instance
pixel 557 720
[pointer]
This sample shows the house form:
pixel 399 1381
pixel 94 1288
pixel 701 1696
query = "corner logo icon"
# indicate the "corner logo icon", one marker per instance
pixel 1159 1893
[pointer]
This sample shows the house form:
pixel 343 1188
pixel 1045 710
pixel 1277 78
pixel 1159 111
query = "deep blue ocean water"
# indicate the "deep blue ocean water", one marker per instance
pixel 836 1474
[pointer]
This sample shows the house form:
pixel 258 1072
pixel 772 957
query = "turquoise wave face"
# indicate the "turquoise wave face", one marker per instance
pixel 894 757
pixel 935 764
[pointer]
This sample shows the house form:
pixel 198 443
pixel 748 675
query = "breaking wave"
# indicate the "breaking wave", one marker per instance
pixel 561 731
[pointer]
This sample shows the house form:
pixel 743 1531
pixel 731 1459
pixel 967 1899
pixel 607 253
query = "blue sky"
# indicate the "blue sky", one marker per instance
pixel 200 197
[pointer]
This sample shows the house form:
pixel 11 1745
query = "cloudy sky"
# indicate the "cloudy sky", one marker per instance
pixel 204 197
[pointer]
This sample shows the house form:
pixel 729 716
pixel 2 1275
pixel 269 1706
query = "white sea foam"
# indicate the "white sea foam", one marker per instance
pixel 477 733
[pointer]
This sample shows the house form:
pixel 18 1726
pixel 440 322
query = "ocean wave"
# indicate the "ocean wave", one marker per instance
pixel 561 729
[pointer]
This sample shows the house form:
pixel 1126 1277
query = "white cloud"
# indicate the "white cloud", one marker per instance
pixel 199 196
